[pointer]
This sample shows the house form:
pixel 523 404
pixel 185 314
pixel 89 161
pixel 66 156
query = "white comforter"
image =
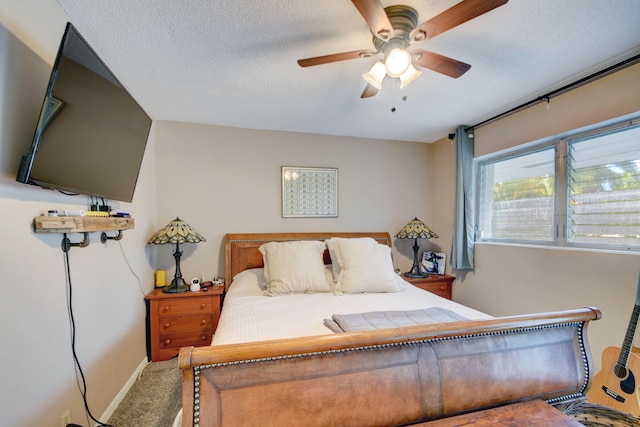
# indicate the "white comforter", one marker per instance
pixel 248 315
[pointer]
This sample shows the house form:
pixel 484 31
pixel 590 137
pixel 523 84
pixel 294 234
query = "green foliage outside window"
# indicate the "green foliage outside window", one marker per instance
pixel 526 188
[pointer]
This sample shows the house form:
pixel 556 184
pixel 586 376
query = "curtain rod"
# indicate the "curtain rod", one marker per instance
pixel 547 97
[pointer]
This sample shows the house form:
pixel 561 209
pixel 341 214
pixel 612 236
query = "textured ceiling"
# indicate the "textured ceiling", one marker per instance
pixel 233 62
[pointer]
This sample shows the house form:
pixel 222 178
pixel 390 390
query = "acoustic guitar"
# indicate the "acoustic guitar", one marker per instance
pixel 617 385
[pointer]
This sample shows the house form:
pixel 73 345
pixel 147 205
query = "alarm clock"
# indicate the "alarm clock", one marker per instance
pixel 195 285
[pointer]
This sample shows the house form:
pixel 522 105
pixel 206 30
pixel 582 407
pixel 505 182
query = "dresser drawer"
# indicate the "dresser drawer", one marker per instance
pixel 177 307
pixel 185 323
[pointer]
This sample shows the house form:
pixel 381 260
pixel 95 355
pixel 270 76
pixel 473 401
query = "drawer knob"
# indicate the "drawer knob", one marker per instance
pixel 167 342
pixel 203 305
pixel 204 338
pixel 167 325
pixel 442 288
pixel 203 322
pixel 167 307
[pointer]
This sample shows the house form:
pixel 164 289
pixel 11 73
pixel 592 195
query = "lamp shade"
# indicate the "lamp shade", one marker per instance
pixel 416 229
pixel 397 62
pixel 408 76
pixel 375 75
pixel 177 231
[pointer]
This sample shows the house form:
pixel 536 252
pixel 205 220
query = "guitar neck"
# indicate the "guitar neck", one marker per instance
pixel 628 338
pixel 631 330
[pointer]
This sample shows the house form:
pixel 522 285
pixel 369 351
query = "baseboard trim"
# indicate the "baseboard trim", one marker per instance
pixel 123 392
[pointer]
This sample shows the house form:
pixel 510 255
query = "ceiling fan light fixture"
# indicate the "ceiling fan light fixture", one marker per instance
pixel 397 62
pixel 408 76
pixel 375 75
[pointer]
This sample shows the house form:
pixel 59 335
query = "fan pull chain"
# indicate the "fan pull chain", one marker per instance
pixel 404 98
pixel 393 109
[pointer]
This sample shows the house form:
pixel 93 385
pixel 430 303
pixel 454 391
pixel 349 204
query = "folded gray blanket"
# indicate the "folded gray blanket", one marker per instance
pixel 390 319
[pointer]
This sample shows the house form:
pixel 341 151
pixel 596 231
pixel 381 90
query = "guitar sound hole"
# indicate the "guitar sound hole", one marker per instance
pixel 620 371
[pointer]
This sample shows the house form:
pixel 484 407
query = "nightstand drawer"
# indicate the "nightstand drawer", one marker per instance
pixel 170 344
pixel 185 339
pixel 436 288
pixel 184 306
pixel 437 284
pixel 185 323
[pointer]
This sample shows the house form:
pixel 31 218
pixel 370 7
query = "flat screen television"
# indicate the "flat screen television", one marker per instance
pixel 91 134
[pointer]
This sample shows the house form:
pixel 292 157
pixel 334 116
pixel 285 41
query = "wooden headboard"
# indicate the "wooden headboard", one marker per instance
pixel 241 250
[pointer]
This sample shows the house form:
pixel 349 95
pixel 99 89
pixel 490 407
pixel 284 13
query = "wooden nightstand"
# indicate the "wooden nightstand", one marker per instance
pixel 436 283
pixel 180 320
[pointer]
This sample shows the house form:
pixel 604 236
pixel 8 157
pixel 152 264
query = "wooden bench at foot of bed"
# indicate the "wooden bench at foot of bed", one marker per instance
pixel 389 377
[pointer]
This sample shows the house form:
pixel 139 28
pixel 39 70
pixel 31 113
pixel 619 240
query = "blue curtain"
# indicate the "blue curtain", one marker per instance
pixel 463 223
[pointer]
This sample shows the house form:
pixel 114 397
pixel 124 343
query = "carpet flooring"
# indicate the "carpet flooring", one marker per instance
pixel 153 400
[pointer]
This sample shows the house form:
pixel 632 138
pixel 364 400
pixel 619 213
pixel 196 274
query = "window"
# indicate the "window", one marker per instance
pixel 582 191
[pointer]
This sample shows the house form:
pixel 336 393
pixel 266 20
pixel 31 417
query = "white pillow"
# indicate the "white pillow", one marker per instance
pixel 363 265
pixel 294 267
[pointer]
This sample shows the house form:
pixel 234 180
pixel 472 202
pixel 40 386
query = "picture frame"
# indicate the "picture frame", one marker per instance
pixel 309 192
pixel 433 262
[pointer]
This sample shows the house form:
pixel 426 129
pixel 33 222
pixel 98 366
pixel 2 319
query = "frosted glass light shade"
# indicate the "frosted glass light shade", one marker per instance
pixel 397 62
pixel 376 74
pixel 408 76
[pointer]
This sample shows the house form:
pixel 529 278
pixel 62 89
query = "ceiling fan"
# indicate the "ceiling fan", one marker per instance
pixel 394 29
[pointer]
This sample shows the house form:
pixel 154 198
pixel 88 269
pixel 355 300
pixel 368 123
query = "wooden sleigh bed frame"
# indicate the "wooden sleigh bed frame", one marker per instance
pixel 399 376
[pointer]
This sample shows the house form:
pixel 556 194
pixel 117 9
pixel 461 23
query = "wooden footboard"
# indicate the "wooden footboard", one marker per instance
pixel 389 377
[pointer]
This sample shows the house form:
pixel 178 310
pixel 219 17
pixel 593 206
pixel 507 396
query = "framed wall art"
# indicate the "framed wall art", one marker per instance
pixel 309 192
pixel 433 262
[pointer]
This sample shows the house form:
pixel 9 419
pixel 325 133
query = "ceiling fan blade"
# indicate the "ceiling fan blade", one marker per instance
pixel 462 12
pixel 369 91
pixel 373 12
pixel 326 59
pixel 442 64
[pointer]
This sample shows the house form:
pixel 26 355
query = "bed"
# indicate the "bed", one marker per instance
pixel 291 369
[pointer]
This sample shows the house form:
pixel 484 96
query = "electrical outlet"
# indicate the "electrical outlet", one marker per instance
pixel 65 418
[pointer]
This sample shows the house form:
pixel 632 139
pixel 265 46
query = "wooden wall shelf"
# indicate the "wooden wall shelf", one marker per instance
pixel 80 224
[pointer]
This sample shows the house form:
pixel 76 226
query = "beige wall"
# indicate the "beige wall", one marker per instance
pixel 510 279
pixel 227 180
pixel 610 97
pixel 38 378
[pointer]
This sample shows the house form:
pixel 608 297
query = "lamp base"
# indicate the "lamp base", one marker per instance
pixel 177 286
pixel 415 272
pixel 416 275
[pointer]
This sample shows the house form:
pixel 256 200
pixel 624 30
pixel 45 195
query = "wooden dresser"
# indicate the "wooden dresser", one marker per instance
pixel 180 320
pixel 436 283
